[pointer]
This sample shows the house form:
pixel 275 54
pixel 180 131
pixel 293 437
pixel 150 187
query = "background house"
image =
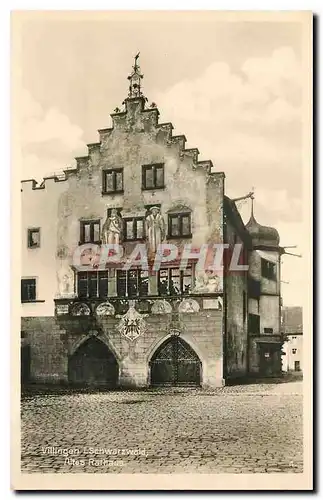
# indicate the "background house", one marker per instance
pixel 292 325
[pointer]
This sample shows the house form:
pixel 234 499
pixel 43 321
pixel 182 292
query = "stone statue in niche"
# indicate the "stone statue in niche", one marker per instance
pixel 161 307
pixel 62 252
pixel 105 309
pixel 111 229
pixel 65 281
pixel 155 229
pixel 207 282
pixel 188 306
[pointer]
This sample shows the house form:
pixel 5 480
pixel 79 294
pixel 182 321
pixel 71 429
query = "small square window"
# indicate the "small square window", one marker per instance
pixel 268 269
pixel 90 232
pixel 153 176
pixel 112 181
pixel 34 238
pixel 268 330
pixel 134 229
pixel 179 225
pixel 294 351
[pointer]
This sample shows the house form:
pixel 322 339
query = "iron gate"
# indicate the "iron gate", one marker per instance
pixel 175 364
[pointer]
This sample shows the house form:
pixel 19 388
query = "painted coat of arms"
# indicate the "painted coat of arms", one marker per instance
pixel 132 325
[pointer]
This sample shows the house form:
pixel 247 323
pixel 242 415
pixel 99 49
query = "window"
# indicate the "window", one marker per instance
pixel 153 176
pixel 33 238
pixel 294 351
pixel 28 289
pixel 132 283
pixel 174 281
pixel 253 288
pixel 112 181
pixel 90 231
pixel 253 323
pixel 268 269
pixel 268 330
pixel 133 229
pixel 92 284
pixel 179 225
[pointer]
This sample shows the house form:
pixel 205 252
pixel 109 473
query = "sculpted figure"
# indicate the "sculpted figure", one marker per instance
pixel 111 230
pixel 155 229
pixel 65 281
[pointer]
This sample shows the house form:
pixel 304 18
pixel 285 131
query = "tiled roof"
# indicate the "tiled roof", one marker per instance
pixel 292 320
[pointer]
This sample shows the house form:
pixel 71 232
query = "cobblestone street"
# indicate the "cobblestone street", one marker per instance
pixel 238 429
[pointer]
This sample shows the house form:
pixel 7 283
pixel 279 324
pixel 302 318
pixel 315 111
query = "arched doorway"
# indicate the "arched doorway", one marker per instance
pixel 93 364
pixel 175 363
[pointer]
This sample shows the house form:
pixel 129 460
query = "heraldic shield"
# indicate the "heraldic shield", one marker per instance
pixel 132 325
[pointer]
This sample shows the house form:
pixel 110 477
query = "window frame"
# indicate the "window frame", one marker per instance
pixel 180 216
pixel 88 278
pixel 29 234
pixel 154 167
pixel 34 299
pixel 139 279
pixel 181 276
pixel 134 227
pixel 92 223
pixel 112 171
pixel 268 270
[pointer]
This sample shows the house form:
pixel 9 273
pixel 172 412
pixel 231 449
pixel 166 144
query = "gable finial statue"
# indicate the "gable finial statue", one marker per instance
pixel 135 80
pixel 111 229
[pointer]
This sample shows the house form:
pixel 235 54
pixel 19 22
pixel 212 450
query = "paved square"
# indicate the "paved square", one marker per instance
pixel 254 428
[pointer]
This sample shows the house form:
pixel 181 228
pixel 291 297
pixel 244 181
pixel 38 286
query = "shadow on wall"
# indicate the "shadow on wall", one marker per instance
pixel 283 379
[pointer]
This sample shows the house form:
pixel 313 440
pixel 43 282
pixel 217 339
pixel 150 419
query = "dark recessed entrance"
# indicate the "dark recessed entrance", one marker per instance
pixel 93 364
pixel 24 364
pixel 175 364
pixel 270 359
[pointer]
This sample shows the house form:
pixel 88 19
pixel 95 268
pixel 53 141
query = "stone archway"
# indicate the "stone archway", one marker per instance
pixel 175 363
pixel 93 364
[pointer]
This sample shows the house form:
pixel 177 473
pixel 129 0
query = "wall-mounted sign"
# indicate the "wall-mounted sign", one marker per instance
pixel 62 309
pixel 211 304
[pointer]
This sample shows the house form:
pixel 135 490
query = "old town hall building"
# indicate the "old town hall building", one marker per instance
pixel 119 326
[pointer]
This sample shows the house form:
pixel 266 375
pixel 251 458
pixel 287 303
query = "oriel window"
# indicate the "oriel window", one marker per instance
pixel 112 181
pixel 132 283
pixel 90 231
pixel 92 284
pixel 174 281
pixel 153 176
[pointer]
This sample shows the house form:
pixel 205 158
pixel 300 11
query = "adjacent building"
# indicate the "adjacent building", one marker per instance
pixel 116 322
pixel 292 322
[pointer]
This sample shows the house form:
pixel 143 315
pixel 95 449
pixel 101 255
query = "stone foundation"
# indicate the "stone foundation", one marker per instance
pixel 53 340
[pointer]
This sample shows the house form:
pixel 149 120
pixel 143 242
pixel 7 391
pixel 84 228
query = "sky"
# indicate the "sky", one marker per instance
pixel 234 89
